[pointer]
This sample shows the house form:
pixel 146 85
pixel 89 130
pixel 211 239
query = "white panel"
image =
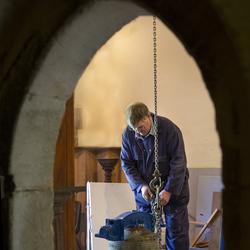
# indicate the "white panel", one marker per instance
pixel 105 200
pixel 206 186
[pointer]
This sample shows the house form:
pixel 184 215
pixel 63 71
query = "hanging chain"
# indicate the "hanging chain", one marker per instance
pixel 156 183
pixel 155 90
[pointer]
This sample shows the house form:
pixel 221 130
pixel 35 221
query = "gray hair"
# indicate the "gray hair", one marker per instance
pixel 136 112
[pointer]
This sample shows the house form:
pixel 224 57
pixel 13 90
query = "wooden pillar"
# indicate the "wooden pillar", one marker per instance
pixel 108 159
pixel 108 166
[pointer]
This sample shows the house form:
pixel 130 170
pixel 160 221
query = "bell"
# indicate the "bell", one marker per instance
pixel 136 238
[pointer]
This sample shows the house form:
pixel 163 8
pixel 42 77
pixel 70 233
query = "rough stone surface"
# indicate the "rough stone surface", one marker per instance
pixel 32 158
pixel 33 211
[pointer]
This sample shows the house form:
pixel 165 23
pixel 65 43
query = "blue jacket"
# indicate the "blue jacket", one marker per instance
pixel 139 166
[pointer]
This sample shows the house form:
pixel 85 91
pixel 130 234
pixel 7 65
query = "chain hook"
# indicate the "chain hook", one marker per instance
pixel 156 182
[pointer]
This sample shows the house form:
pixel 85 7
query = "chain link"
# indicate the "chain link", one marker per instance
pixel 156 183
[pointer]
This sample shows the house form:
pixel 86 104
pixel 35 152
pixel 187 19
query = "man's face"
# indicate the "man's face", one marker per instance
pixel 143 126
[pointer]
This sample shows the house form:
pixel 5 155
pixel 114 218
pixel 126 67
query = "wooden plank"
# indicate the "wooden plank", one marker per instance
pixel 64 178
pixel 197 223
pixel 214 242
pixel 211 220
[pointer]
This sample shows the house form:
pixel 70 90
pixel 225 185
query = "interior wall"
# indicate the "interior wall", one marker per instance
pixel 121 73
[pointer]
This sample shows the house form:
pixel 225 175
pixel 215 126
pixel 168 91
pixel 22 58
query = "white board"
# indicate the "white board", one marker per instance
pixel 206 186
pixel 105 201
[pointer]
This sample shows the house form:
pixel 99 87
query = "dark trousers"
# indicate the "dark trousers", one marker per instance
pixel 177 225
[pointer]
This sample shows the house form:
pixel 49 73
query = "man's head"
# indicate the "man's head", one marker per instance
pixel 139 118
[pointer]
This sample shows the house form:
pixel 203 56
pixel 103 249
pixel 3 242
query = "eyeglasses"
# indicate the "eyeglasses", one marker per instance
pixel 143 125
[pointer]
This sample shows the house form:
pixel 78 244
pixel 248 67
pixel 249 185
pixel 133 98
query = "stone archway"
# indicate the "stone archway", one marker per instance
pixel 42 113
pixel 43 104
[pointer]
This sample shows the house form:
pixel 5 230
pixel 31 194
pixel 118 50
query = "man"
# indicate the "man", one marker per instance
pixel 137 159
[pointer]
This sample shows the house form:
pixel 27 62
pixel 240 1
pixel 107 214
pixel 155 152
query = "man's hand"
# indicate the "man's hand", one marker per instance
pixel 164 197
pixel 146 193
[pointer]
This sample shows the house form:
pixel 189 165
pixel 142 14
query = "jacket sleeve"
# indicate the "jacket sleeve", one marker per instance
pixel 178 163
pixel 129 165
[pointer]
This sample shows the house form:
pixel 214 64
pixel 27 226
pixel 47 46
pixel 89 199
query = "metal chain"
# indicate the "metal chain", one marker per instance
pixel 156 183
pixel 155 90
